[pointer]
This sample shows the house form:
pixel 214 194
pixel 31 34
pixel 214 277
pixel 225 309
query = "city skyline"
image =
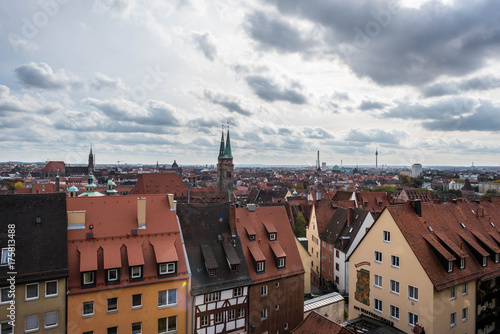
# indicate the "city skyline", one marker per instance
pixel 154 81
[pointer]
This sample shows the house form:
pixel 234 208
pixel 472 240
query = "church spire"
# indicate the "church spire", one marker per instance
pixel 222 148
pixel 227 152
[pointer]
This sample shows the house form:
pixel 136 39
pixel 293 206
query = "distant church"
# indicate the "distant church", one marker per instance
pixel 225 166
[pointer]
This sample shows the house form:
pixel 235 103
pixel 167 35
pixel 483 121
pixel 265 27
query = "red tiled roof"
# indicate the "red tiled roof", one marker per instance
pixel 160 183
pixel 277 250
pixel 318 324
pixel 111 254
pixel 135 255
pixel 165 249
pixel 256 252
pixel 88 256
pixel 53 166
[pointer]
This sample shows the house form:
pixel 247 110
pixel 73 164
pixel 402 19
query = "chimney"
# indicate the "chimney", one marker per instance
pixel 417 206
pixel 232 219
pixel 171 202
pixel 141 213
pixel 251 207
pixel 454 201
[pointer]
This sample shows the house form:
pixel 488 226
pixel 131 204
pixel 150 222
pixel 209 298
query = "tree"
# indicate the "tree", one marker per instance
pixel 300 225
pixel 305 184
pixel 490 192
pixel 391 189
pixel 19 185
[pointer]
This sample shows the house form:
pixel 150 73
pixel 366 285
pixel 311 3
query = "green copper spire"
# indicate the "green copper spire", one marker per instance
pixel 221 150
pixel 227 152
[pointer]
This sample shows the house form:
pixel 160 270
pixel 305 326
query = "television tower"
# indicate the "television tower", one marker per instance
pixel 376 158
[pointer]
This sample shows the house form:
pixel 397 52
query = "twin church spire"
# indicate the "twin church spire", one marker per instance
pixel 225 149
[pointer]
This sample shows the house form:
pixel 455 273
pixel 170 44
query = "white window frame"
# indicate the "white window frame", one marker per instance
pixel 387 236
pixel 114 310
pixel 264 291
pixel 6 256
pixel 272 236
pixel 485 261
pixel 497 257
pixel 29 330
pixel 132 272
pixel 231 315
pixel 395 261
pixel 51 325
pixel 261 266
pixel 462 263
pixel 377 281
pixel 114 271
pixel 465 314
pixel 412 292
pixel 450 266
pixel 174 330
pixel 204 321
pixel 263 314
pixel 412 319
pixel 57 289
pixel 465 289
pixel 83 309
pixel 241 312
pixel 218 317
pixel 394 311
pixel 378 255
pixel 238 292
pixel 139 331
pixel 136 306
pixel 90 279
pixel 211 297
pixel 26 298
pixel 281 262
pixel 453 293
pixel 377 305
pixel 453 319
pixel 167 268
pixel 7 300
pixel 166 296
pixel 394 284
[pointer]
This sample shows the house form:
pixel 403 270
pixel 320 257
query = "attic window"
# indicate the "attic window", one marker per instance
pixel 485 261
pixel 260 266
pixel 462 263
pixel 251 237
pixel 450 266
pixel 212 272
pixel 497 258
pixel 272 236
pixel 38 220
pixel 234 268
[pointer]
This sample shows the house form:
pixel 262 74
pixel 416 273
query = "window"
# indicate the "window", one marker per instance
pixel 453 292
pixel 413 293
pixel 462 263
pixel 260 266
pixel 286 325
pixel 277 308
pixel 212 272
pixel 218 317
pixel 167 268
pixel 112 305
pixel 112 330
pixel 395 287
pixel 394 261
pixel 378 281
pixel 450 266
pixel 378 257
pixel 241 313
pixel 453 319
pixel 232 314
pixel 324 244
pixel 497 257
pixel 137 300
pixel 263 290
pixel 137 328
pixel 31 323
pixel 330 259
pixel 169 324
pixel 330 272
pixel 465 314
pixel 272 236
pixel 88 277
pixel 6 256
pixel 323 267
pixel 31 291
pixel 277 285
pixel 204 322
pixel 378 305
pixel 412 319
pixel 88 309
pixel 211 297
pixel 337 267
pixel 394 312
pixel 485 261
pixel 251 237
pixel 238 292
pixel 4 296
pixel 281 262
pixel 337 279
pixel 167 297
pixel 89 332
pixel 136 272
pixel 330 248
pixel 263 314
pixel 51 319
pixel 50 288
pixel 112 275
pixel 465 289
pixel 387 236
pixel 337 253
pixel 324 256
pixel 6 328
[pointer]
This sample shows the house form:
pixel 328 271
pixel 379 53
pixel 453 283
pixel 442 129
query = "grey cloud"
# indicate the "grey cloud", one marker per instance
pixel 232 104
pixel 484 118
pixel 270 91
pixel 371 105
pixel 102 81
pixel 394 45
pixel 275 33
pixel 341 95
pixel 442 109
pixel 204 42
pixel 41 75
pixel 375 136
pixel 455 87
pixel 317 133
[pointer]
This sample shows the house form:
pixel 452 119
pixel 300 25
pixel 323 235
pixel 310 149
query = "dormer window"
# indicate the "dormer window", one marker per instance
pixel 212 272
pixel 281 262
pixel 136 273
pixel 234 268
pixel 497 258
pixel 450 266
pixel 260 266
pixel 251 237
pixel 166 268
pixel 485 261
pixel 88 279
pixel 462 263
pixel 112 276
pixel 272 236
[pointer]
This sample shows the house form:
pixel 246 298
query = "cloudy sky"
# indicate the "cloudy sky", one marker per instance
pixel 154 80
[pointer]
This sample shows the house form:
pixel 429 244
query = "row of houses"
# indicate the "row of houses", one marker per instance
pixel 144 264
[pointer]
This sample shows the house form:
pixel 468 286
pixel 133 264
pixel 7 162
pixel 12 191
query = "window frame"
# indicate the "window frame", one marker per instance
pixel 86 282
pixel 166 271
pixel 7 324
pixel 29 330
pixel 260 266
pixel 377 305
pixel 264 290
pixel 57 289
pixel 109 271
pixel 7 300
pixel 26 298
pixel 281 262
pixel 135 277
pixel 396 309
pixel 453 319
pixel 166 297
pixel 231 315
pixel 453 292
pixel 83 309
pixel 140 329
pixel 272 236
pixel 377 255
pixel 137 306
pixel 167 322
pixel 462 263
pixel 8 254
pixel 52 325
pixel 238 292
pixel 386 236
pixel 465 314
pixel 241 312
pixel 395 261
pixel 414 292
pixel 263 314
pixel 218 317
pixel 204 321
pixel 396 284
pixel 110 300
pixel 376 278
pixel 211 297
pixel 414 317
pixel 465 289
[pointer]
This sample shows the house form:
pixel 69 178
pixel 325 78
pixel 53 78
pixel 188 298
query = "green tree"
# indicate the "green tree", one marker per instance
pixel 305 184
pixel 300 225
pixel 391 189
pixel 19 185
pixel 491 192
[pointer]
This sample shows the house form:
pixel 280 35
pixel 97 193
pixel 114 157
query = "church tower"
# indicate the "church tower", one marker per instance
pixel 91 161
pixel 225 166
